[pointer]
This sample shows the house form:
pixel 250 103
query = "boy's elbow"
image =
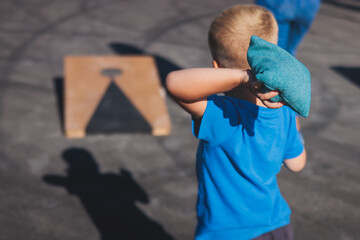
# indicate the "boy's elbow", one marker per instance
pixel 170 83
pixel 297 168
pixel 296 164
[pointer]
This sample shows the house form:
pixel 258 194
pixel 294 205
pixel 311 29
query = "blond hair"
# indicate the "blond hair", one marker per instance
pixel 230 32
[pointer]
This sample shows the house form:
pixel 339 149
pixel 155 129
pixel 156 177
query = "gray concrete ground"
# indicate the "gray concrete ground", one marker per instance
pixel 40 197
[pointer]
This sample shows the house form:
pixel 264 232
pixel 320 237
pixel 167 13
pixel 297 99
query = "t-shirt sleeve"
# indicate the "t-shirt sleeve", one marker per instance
pixel 294 143
pixel 220 118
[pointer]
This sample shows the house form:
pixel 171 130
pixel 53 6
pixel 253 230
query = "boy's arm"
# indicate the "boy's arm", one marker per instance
pixel 296 164
pixel 191 87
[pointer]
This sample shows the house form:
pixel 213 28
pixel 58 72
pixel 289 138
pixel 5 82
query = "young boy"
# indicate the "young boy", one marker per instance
pixel 244 138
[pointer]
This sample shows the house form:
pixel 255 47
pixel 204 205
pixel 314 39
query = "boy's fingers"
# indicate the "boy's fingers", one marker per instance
pixel 273 104
pixel 265 97
pixel 268 95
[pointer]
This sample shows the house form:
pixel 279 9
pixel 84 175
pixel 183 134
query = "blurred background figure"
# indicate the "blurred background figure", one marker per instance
pixel 294 18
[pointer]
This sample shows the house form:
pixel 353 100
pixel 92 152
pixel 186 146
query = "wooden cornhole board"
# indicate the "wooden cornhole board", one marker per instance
pixel 85 86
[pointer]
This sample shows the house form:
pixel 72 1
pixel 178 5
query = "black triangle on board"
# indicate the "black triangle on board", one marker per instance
pixel 116 113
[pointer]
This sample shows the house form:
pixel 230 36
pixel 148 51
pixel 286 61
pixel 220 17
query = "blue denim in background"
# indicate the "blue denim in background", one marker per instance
pixel 294 18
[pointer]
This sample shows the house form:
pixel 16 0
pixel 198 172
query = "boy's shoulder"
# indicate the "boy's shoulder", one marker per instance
pixel 225 112
pixel 233 105
pixel 226 117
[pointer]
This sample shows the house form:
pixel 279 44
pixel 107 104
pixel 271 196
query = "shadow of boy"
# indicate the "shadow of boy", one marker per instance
pixel 109 198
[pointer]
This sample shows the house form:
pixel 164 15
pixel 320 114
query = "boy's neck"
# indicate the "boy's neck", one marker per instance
pixel 244 94
pixel 241 93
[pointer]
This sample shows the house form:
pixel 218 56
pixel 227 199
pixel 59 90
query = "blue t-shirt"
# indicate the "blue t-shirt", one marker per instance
pixel 242 147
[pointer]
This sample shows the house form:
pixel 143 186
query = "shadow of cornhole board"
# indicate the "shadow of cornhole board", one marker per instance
pixel 124 88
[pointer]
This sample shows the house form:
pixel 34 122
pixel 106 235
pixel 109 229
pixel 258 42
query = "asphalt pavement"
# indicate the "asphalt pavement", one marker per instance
pixel 135 185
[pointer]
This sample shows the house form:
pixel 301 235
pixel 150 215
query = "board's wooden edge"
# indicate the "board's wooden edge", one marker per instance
pixel 81 132
pixel 75 133
pixel 158 132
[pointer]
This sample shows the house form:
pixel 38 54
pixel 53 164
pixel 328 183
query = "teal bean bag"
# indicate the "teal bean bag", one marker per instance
pixel 279 70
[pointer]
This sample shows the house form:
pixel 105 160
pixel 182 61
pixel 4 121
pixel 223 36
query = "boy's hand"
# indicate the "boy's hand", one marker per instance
pixel 254 87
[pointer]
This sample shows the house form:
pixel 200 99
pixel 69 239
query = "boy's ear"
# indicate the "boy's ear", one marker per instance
pixel 215 64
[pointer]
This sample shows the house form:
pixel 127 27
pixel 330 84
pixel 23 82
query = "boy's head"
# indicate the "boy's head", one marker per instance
pixel 230 32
